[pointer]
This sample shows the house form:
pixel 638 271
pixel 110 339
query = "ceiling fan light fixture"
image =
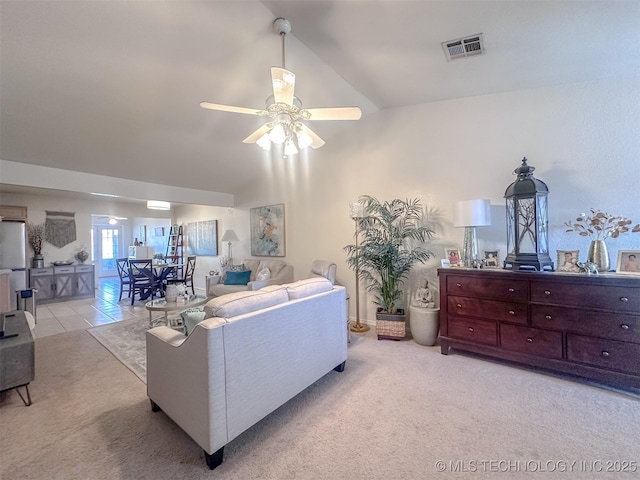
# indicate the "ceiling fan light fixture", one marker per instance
pixel 284 109
pixel 277 134
pixel 264 142
pixel 290 148
pixel 304 140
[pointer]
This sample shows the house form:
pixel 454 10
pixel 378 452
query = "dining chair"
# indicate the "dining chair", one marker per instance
pixel 187 278
pixel 175 272
pixel 123 273
pixel 143 279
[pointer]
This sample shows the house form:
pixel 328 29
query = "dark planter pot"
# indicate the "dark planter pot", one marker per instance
pixel 391 326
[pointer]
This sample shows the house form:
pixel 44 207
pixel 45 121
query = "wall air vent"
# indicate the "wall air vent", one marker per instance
pixel 463 47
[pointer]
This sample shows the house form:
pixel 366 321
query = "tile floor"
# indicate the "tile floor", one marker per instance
pixel 59 317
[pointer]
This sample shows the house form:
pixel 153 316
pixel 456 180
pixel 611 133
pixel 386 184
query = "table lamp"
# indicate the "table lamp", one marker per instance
pixel 230 236
pixel 471 214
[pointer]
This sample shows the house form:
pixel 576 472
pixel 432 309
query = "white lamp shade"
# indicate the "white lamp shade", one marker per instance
pixel 472 213
pixel 356 209
pixel 158 205
pixel 230 236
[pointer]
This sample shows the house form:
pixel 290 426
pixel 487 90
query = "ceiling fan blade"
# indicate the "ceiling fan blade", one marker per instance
pixel 317 142
pixel 284 83
pixel 230 108
pixel 333 113
pixel 253 138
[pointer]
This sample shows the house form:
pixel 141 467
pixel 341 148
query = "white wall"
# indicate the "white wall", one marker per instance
pixel 582 138
pixel 228 218
pixel 37 205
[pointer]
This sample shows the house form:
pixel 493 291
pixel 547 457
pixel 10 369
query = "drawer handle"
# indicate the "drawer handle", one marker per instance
pixel 458 284
pixel 529 339
pixel 511 312
pixel 624 326
pixel 624 299
pixel 512 290
pixel 471 329
pixel 547 292
pixel 459 305
pixel 605 353
pixel 548 317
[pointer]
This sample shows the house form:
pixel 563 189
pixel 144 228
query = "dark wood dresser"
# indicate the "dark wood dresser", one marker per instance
pixel 585 325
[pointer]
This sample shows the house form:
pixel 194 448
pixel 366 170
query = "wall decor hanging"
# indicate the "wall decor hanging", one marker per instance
pixel 267 231
pixel 202 238
pixel 60 228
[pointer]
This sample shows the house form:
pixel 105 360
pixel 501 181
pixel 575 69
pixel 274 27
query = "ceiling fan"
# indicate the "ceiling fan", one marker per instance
pixel 284 110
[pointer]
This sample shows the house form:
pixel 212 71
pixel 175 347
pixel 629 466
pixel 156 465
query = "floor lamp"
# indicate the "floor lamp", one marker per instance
pixel 356 211
pixel 471 214
pixel 230 236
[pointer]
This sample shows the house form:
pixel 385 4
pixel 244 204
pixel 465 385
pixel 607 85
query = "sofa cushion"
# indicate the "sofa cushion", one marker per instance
pixel 274 266
pixel 191 317
pixel 237 278
pixel 239 303
pixel 308 287
pixel 263 274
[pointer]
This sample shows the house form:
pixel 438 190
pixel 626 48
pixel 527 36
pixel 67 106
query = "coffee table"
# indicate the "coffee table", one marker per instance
pixel 161 305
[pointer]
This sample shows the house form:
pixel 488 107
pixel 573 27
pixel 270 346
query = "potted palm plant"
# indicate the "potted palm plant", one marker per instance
pixel 391 242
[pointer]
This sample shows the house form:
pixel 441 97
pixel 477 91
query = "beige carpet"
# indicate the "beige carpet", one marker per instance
pixel 396 411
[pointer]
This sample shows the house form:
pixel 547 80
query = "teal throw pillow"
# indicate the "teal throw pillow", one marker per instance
pixel 192 317
pixel 238 278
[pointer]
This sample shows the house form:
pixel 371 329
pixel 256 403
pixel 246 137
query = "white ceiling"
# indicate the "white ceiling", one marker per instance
pixel 113 87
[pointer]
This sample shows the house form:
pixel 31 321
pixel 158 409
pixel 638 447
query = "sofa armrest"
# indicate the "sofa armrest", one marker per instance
pixel 211 280
pixel 168 335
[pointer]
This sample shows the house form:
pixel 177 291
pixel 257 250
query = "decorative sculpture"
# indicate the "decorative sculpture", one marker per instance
pixel 423 297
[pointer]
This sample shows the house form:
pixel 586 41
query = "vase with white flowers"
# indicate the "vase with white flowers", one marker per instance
pixel 599 226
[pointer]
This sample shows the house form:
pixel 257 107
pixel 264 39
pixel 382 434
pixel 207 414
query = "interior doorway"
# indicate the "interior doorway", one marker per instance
pixel 107 245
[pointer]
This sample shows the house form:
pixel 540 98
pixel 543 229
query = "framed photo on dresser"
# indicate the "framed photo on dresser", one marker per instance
pixel 628 262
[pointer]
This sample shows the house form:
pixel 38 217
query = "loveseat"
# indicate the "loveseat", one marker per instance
pixel 254 351
pixel 277 273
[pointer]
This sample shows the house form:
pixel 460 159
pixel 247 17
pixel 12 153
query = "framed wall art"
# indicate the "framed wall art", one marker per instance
pixel 453 255
pixel 628 262
pixel 202 238
pixel 267 231
pixel 567 260
pixel 491 258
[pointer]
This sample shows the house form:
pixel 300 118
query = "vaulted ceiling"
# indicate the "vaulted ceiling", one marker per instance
pixel 113 87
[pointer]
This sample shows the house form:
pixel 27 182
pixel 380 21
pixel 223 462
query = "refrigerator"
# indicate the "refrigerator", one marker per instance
pixel 13 256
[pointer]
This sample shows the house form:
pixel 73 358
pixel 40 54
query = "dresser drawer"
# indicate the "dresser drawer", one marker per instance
pixel 608 354
pixel 70 269
pixel 614 326
pixel 36 272
pixel 478 331
pixel 533 341
pixel 621 299
pixel 489 309
pixel 84 268
pixel 513 290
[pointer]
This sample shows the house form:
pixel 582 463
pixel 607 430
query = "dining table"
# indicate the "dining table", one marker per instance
pixel 160 273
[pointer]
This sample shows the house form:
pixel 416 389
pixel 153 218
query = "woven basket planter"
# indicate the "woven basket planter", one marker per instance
pixel 390 326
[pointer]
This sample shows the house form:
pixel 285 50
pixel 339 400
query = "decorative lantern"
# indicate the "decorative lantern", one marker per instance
pixel 527 222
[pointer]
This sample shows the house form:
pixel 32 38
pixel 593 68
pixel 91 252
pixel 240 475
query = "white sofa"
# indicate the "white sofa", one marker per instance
pixel 253 352
pixel 279 274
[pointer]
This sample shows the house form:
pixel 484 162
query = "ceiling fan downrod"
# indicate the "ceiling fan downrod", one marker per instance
pixel 282 26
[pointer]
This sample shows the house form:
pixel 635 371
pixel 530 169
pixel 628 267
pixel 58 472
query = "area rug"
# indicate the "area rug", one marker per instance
pixel 126 341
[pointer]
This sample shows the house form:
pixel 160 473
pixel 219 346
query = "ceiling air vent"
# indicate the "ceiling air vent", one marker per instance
pixel 463 47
